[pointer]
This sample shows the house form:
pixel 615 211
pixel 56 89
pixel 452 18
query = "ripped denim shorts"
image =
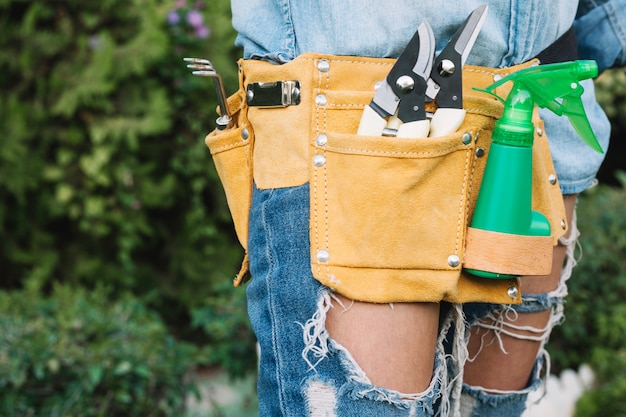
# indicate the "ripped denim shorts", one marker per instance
pixel 302 372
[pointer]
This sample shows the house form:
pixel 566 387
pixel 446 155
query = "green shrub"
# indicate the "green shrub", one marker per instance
pixel 75 353
pixel 104 172
pixel 223 317
pixel 104 175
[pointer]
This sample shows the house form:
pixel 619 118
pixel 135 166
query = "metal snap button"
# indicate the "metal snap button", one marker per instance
pixel 552 179
pixel 539 131
pixel 323 65
pixel 319 160
pixel 321 140
pixel 323 255
pixel 454 261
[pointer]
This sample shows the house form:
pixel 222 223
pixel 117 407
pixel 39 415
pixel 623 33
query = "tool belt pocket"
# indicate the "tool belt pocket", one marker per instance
pixel 231 150
pixel 388 214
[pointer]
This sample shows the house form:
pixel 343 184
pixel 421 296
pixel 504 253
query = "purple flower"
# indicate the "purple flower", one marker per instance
pixel 202 32
pixel 181 3
pixel 173 18
pixel 195 19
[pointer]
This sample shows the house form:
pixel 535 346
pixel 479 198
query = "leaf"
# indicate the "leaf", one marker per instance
pixel 95 374
pixel 122 368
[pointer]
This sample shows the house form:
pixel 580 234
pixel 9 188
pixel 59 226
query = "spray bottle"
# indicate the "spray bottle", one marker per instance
pixel 505 198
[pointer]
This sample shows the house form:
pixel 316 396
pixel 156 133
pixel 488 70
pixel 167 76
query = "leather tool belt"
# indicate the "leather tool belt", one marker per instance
pixel 388 216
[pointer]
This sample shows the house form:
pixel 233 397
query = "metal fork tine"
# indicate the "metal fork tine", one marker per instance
pixel 198 61
pixel 204 68
pixel 201 67
pixel 203 73
pixel 224 120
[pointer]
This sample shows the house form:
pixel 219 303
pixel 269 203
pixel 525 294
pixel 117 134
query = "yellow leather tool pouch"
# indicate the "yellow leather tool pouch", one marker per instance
pixel 389 216
pixel 231 150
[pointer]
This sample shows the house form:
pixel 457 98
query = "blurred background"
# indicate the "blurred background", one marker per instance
pixel 117 251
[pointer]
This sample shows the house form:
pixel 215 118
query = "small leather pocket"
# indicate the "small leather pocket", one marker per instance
pixel 231 151
pixel 390 216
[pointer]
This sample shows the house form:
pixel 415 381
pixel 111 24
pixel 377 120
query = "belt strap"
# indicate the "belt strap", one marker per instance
pixel 562 50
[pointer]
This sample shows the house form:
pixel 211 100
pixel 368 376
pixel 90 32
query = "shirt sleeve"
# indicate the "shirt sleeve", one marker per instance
pixel 601 32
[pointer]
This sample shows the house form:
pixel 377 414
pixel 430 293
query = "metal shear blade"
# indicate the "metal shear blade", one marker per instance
pixel 446 71
pixel 418 77
pixel 403 90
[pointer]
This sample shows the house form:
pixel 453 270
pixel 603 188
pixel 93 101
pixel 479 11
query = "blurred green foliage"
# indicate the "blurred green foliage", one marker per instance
pixel 104 175
pixel 75 353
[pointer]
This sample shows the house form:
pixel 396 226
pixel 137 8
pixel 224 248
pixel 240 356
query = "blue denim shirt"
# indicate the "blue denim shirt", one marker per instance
pixel 601 30
pixel 382 28
pixel 514 32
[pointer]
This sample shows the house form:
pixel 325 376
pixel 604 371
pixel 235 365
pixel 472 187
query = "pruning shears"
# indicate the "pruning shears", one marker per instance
pixel 418 77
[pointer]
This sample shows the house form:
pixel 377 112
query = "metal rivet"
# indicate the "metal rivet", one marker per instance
pixel 405 84
pixel 323 65
pixel 467 138
pixel 446 68
pixel 319 160
pixel 552 179
pixel 377 85
pixel 295 95
pixel 323 255
pixel 321 140
pixel 563 224
pixel 454 261
pixel 245 133
pixel 480 152
pixel 249 96
pixel 497 77
pixel 513 292
pixel 321 100
pixel 539 131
